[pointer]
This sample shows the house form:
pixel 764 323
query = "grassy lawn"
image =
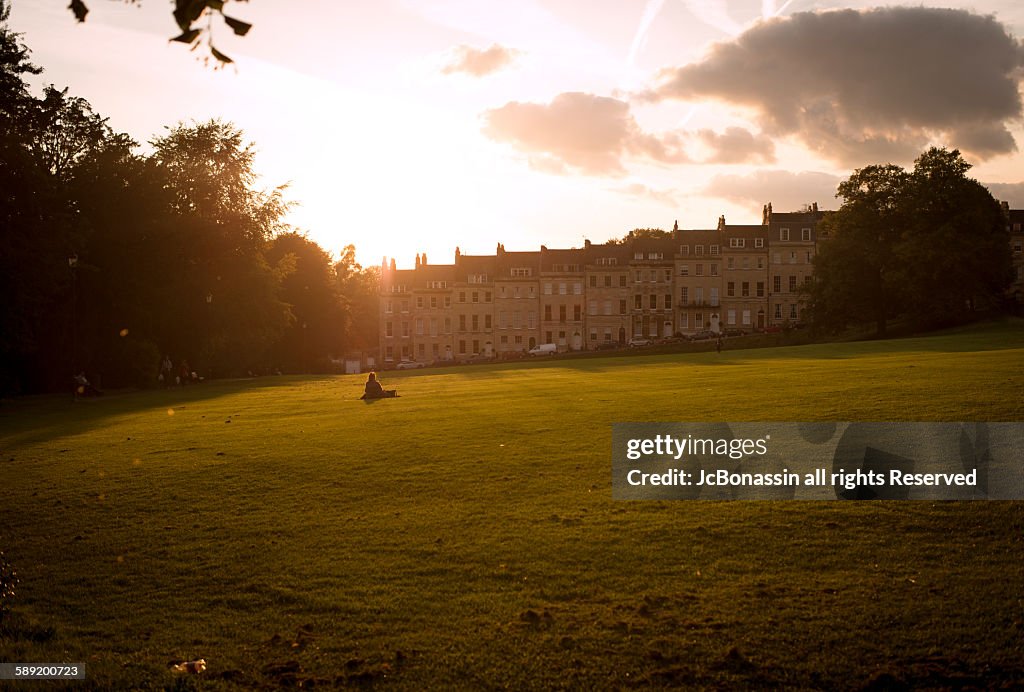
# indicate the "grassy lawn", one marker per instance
pixel 464 534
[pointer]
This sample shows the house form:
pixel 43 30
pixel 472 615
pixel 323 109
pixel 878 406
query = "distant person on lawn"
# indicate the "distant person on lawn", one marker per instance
pixel 374 390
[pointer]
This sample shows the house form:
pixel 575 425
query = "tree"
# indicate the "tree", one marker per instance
pixel 856 271
pixel 956 251
pixel 638 234
pixel 318 314
pixel 188 14
pixel 358 287
pixel 931 244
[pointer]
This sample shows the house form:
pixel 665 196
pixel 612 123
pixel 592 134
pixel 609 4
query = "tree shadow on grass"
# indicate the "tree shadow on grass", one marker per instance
pixel 35 419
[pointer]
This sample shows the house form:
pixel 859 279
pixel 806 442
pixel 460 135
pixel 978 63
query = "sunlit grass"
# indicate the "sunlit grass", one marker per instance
pixel 464 534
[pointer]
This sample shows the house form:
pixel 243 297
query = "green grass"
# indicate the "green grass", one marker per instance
pixel 464 535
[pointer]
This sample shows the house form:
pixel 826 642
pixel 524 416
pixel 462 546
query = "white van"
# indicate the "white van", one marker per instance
pixel 543 350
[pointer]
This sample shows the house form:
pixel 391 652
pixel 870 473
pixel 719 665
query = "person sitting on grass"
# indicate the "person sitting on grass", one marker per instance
pixel 374 390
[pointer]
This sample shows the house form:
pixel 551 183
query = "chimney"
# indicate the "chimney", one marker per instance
pixel 814 207
pixel 457 254
pixel 586 242
pixel 393 266
pixel 417 260
pixel 764 215
pixel 1005 206
pixel 675 226
pixel 384 264
pixel 721 222
pixel 423 260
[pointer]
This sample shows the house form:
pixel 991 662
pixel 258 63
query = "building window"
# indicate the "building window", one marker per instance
pixel 745 289
pixel 758 242
pixel 504 339
pixel 737 242
pixel 698 294
pixel 487 321
pixel 668 301
pixel 730 289
pixel 777 284
pixel 593 334
pixel 593 280
pixel 700 250
pixel 519 339
pixel 433 326
pixel 760 262
pixel 476 346
pixel 699 270
pixel 684 321
pixel 730 317
pixel 577 313
pixel 746 263
pixel 562 288
pixel 684 249
pixel 792 284
pixel 653 301
pixel 419 302
pixel 608 307
pixel 714 296
pixel 462 323
pixel 389 353
pixel 715 251
pixel 746 318
pixel 447 325
pixel 502 322
pixel 638 302
pixel 387 306
pixel 622 306
pixel 684 270
pixel 730 263
pixel 419 326
pixel 547 313
pixel 714 269
pixel 561 313
pixel 760 289
pixel 462 347
pixel 607 333
pixel 517 319
pixel 778 311
pixel 447 301
pixel 608 280
pixel 433 302
pixel 684 295
pixel 389 329
pixel 784 234
pixel 792 311
pixel 591 307
pixel 792 258
pixel 805 234
pixel 622 280
pixel 547 288
pixel 476 296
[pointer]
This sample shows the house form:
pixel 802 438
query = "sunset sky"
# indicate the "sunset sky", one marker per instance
pixel 405 126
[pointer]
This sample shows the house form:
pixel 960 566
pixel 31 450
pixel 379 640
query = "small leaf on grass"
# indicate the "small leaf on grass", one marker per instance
pixel 239 27
pixel 79 9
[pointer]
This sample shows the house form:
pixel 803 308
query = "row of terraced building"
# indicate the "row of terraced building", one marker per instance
pixel 734 277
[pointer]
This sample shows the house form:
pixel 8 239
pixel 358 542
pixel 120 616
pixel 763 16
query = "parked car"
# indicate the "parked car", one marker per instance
pixel 409 365
pixel 735 332
pixel 638 341
pixel 544 350
pixel 704 335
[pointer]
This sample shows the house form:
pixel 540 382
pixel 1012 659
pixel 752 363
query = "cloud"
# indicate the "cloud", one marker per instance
pixel 868 86
pixel 579 132
pixel 666 197
pixel 737 145
pixel 478 62
pixel 1009 192
pixel 785 190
